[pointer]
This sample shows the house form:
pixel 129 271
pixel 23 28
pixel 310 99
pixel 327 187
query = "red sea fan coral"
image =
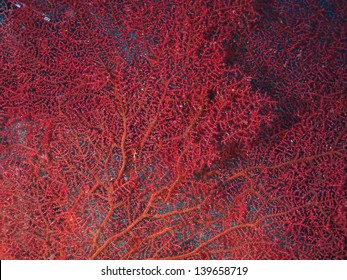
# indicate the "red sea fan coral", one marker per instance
pixel 173 129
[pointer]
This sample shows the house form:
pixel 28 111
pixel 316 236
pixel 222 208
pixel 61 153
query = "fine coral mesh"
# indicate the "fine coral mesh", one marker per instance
pixel 173 129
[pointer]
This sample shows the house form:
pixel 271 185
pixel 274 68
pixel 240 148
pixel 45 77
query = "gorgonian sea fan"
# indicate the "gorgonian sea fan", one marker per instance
pixel 173 129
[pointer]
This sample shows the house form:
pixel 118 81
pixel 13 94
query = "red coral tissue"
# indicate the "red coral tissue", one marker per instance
pixel 173 129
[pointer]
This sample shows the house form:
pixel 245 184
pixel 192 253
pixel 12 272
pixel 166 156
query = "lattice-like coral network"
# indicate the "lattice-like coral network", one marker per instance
pixel 173 129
